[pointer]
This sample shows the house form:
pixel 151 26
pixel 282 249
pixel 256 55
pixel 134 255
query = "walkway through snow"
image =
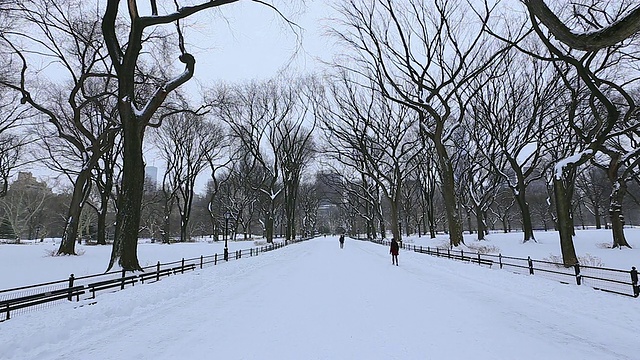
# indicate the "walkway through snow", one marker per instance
pixel 315 301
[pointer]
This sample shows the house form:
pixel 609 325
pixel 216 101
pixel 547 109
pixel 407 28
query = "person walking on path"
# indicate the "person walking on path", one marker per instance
pixel 341 241
pixel 395 249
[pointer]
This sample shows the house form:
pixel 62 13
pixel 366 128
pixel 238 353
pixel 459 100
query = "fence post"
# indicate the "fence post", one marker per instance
pixel 461 255
pixel 251 252
pixel 215 259
pixel 634 281
pixel 182 267
pixel 122 280
pixel 421 249
pixel 158 271
pixel 578 276
pixel 449 253
pixel 530 265
pixel 500 260
pixel 201 258
pixel 429 250
pixel 438 252
pixel 71 279
pixel 479 258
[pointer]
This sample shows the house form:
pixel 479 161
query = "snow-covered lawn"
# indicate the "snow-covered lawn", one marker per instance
pixel 313 300
pixel 594 244
pixel 31 263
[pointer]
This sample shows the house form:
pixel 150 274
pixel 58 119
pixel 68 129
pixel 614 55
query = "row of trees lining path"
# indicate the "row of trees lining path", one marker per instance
pixel 425 67
pixel 430 57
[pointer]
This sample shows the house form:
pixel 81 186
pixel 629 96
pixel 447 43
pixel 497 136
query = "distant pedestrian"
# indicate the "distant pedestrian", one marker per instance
pixel 395 249
pixel 342 241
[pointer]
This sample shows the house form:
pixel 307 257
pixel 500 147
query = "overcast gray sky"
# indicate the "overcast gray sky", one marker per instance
pixel 247 40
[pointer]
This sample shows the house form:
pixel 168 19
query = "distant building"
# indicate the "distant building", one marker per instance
pixel 151 174
pixel 26 180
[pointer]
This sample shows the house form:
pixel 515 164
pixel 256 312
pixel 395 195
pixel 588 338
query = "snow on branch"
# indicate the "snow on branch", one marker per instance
pixel 610 35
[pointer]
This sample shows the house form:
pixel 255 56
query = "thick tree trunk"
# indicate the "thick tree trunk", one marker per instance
pixel 617 218
pixel 125 243
pixel 184 233
pixel 449 196
pixel 269 226
pixel 166 223
pixel 482 229
pixel 70 234
pixel 525 212
pixel 431 220
pixel 383 228
pixel 290 208
pixel 565 223
pixel 596 214
pixel 395 227
pixel 102 228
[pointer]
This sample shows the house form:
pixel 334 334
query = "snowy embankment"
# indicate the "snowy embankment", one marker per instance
pixel 315 301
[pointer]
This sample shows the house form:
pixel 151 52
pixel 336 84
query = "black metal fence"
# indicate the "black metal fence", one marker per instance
pixel 622 282
pixel 34 297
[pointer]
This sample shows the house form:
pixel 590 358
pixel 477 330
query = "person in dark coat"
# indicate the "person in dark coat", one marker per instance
pixel 395 249
pixel 341 241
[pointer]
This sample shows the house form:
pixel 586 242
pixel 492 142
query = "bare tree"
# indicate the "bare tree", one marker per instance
pixel 374 136
pixel 12 144
pixel 105 176
pixel 24 203
pixel 184 141
pixel 427 176
pixel 296 152
pixel 267 121
pixel 513 114
pixel 125 45
pixel 423 54
pixel 238 193
pixel 604 72
pixel 309 203
pixel 78 111
pixel 478 180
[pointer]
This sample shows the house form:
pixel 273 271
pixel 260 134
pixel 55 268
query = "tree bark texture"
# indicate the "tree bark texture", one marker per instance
pixel 125 243
pixel 617 218
pixel 80 191
pixel 592 41
pixel 565 223
pixel 449 195
pixel 527 225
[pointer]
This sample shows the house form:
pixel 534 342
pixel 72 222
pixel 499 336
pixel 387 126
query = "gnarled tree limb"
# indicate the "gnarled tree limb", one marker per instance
pixel 590 41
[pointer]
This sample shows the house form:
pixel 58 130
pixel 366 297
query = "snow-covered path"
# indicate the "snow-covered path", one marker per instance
pixel 315 301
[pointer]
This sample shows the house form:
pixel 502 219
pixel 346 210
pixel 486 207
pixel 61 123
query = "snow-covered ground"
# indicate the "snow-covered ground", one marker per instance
pixel 313 300
pixel 594 245
pixel 32 263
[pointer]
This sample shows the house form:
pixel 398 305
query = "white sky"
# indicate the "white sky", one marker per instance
pixel 246 40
